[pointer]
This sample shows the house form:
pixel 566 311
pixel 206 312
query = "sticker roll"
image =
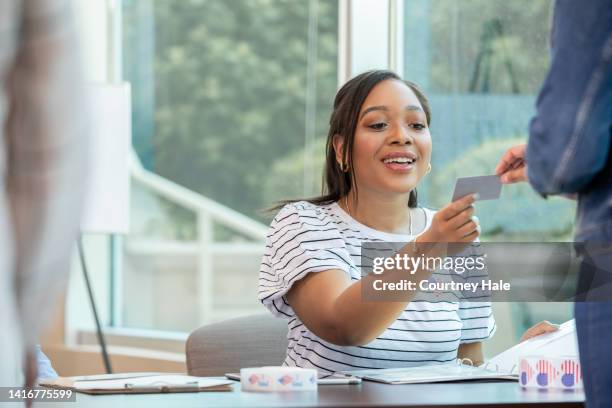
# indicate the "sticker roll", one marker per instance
pixel 273 379
pixel 540 372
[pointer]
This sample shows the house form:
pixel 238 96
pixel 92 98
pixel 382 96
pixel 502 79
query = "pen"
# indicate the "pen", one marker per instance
pixel 163 386
pixel 338 381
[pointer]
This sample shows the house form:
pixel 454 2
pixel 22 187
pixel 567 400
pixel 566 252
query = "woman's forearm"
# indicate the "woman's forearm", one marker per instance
pixel 360 321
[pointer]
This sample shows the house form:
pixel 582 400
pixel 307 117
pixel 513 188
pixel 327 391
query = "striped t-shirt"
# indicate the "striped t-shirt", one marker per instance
pixel 305 238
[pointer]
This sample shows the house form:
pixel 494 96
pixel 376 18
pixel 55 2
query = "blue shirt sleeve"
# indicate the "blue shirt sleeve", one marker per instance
pixel 45 369
pixel 569 138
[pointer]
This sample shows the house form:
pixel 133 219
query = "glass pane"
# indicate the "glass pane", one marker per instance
pixel 155 217
pixel 230 107
pixel 481 63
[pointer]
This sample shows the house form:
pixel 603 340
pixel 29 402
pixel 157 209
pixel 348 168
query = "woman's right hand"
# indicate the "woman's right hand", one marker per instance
pixel 454 223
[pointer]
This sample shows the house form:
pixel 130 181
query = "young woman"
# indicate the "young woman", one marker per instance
pixel 378 150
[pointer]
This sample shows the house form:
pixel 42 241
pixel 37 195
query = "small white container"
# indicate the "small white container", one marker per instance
pixel 274 379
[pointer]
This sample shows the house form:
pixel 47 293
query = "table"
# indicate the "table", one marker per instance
pixel 368 394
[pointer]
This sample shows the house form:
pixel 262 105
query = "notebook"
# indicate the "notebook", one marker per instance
pixel 503 366
pixel 138 383
pixel 446 372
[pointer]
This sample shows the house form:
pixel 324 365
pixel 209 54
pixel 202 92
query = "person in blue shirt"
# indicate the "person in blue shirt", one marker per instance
pixel 569 153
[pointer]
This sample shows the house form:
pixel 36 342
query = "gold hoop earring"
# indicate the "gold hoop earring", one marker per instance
pixel 344 167
pixel 428 168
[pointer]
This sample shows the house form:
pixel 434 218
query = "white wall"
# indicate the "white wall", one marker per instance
pixel 92 30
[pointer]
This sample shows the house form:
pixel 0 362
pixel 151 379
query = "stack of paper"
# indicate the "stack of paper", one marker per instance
pixel 560 343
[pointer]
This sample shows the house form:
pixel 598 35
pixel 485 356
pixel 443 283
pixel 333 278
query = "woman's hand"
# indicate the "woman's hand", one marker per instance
pixel 455 223
pixel 540 328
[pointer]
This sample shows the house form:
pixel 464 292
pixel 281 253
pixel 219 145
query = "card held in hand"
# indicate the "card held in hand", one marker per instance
pixel 487 187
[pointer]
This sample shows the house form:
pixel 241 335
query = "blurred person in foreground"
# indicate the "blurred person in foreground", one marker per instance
pixel 569 153
pixel 43 155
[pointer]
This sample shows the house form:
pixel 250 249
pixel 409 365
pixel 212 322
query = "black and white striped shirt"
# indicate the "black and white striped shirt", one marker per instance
pixel 305 238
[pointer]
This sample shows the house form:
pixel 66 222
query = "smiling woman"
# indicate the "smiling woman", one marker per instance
pixel 346 123
pixel 393 131
pixel 378 150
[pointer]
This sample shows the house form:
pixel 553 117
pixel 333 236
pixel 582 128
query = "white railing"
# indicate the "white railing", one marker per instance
pixel 204 248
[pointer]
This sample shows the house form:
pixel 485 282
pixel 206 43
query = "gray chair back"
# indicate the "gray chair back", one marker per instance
pixel 225 347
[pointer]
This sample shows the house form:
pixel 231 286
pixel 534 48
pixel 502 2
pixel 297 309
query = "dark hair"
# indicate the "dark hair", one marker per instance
pixel 343 122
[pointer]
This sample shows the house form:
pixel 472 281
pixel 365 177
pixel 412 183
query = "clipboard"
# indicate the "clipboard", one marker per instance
pixel 149 384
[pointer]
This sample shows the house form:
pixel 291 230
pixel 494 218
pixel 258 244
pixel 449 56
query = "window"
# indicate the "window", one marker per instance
pixel 230 107
pixel 481 62
pixel 230 101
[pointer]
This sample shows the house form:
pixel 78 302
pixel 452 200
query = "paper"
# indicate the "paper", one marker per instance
pixel 487 187
pixel 116 376
pixel 560 343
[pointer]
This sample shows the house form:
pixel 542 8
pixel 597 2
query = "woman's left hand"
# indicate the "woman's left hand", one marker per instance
pixel 540 328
